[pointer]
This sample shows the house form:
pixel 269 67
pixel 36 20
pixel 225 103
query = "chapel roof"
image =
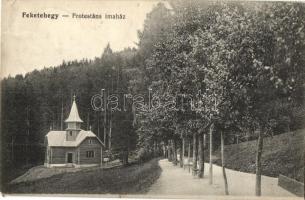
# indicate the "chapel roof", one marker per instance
pixel 58 138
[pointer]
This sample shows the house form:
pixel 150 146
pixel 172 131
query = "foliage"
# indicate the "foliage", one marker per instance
pixel 244 64
pixel 33 102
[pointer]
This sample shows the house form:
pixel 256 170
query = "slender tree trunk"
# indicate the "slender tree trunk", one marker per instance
pixel 189 155
pixel 12 149
pixel 195 154
pixel 155 149
pixel 175 160
pixel 223 165
pixel 201 156
pixel 211 161
pixel 172 151
pixel 164 151
pixel 258 189
pixel 169 154
pixel 181 152
pixel 204 148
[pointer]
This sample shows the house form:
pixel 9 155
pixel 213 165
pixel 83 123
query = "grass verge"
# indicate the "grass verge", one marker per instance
pixel 282 154
pixel 133 179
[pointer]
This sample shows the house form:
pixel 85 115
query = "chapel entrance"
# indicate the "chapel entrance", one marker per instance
pixel 70 156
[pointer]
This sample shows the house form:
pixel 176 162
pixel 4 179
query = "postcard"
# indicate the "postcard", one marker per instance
pixel 153 99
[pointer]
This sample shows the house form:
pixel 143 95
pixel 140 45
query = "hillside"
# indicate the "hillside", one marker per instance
pixel 133 179
pixel 282 154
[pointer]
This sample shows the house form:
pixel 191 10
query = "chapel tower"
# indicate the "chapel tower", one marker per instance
pixel 73 123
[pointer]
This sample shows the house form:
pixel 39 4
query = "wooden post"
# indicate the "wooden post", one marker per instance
pixel 110 131
pixel 105 116
pixel 102 158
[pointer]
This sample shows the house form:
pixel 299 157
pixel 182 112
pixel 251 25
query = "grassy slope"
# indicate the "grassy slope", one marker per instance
pixel 282 154
pixel 134 179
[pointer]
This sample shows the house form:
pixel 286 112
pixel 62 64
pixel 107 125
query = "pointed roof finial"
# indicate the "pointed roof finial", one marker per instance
pixel 74 116
pixel 90 128
pixel 50 127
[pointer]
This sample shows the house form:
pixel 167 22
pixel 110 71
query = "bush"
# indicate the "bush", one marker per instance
pixel 144 155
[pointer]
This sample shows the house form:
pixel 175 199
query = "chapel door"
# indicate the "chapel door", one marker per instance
pixel 70 156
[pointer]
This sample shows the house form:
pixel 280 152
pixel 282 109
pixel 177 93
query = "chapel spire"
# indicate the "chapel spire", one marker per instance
pixel 74 116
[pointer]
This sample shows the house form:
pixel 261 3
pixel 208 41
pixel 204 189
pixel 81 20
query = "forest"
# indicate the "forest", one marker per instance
pixel 244 61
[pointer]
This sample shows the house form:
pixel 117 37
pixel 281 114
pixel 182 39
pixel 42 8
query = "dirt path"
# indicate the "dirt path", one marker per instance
pixel 176 181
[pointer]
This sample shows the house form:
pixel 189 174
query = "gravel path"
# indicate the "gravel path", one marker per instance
pixel 175 181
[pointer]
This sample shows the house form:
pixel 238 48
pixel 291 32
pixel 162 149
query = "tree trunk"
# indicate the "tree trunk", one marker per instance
pixel 201 156
pixel 211 161
pixel 182 152
pixel 223 165
pixel 12 149
pixel 159 149
pixel 175 152
pixel 169 154
pixel 258 188
pixel 189 155
pixel 155 149
pixel 195 154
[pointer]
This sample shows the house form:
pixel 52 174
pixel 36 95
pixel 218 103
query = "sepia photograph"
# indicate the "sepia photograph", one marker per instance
pixel 184 99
